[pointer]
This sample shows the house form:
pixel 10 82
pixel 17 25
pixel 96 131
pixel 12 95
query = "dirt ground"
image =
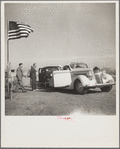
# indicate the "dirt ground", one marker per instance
pixel 50 102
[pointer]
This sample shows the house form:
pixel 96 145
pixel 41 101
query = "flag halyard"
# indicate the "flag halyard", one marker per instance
pixel 18 30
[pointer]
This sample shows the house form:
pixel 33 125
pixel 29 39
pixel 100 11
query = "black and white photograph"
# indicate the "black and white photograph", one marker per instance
pixel 60 73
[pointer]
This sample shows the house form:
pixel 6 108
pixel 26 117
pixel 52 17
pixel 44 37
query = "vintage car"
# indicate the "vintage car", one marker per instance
pixel 80 77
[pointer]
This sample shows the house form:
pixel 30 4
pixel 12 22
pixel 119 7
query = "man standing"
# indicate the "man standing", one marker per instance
pixel 20 75
pixel 33 76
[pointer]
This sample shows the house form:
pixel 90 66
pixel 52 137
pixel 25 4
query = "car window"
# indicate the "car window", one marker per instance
pixel 81 66
pixel 43 71
pixel 66 68
pixel 49 70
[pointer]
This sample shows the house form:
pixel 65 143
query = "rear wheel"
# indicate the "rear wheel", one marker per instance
pixel 79 88
pixel 106 88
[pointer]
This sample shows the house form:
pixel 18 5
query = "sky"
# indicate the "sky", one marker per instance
pixel 64 33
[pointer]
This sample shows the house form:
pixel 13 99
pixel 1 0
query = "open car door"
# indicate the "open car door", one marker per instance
pixel 61 78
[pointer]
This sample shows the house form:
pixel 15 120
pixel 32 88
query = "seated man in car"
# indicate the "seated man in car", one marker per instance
pixel 59 67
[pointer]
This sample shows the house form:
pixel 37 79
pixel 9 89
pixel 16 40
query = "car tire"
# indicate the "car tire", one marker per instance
pixel 106 88
pixel 79 88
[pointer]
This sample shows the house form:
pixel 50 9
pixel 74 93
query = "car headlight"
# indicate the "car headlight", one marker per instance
pixel 110 81
pixel 90 73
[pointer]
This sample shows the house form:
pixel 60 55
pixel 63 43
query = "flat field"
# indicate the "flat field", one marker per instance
pixel 61 102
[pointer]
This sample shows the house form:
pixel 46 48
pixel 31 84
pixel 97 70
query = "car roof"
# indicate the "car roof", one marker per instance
pixel 49 67
pixel 77 62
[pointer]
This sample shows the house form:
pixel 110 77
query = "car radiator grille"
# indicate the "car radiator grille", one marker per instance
pixel 98 77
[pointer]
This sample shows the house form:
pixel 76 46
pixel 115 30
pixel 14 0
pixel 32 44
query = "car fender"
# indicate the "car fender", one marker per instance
pixel 107 78
pixel 83 79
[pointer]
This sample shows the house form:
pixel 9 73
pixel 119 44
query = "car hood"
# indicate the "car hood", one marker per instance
pixel 81 69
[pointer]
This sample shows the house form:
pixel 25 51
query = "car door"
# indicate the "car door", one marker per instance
pixel 62 78
pixel 41 74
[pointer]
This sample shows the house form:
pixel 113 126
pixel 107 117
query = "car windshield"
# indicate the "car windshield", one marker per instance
pixel 51 69
pixel 78 65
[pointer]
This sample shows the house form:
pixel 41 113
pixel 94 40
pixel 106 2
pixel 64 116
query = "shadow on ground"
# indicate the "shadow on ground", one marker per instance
pixel 66 91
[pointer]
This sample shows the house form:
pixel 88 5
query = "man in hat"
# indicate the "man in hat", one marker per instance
pixel 33 76
pixel 19 76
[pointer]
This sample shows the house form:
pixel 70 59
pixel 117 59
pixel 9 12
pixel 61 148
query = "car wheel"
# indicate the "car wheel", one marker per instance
pixel 79 88
pixel 106 88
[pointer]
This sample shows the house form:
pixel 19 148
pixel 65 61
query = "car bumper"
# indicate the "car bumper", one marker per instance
pixel 98 85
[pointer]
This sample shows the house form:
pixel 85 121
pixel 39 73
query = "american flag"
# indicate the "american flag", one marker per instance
pixel 18 30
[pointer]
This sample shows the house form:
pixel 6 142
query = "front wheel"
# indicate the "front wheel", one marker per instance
pixel 106 88
pixel 79 88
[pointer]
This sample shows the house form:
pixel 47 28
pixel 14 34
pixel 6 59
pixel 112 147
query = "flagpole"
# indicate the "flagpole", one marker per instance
pixel 8 60
pixel 8 66
pixel 7 42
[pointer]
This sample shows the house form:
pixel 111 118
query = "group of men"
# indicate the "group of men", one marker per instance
pixel 20 75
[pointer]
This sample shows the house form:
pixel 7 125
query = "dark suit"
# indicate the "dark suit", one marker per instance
pixel 33 77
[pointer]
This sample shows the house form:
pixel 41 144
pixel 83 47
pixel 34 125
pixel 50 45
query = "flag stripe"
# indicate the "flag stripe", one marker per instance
pixel 18 33
pixel 18 36
pixel 21 23
pixel 18 30
pixel 25 27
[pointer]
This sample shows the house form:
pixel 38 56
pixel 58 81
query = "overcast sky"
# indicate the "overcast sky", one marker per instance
pixel 64 33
